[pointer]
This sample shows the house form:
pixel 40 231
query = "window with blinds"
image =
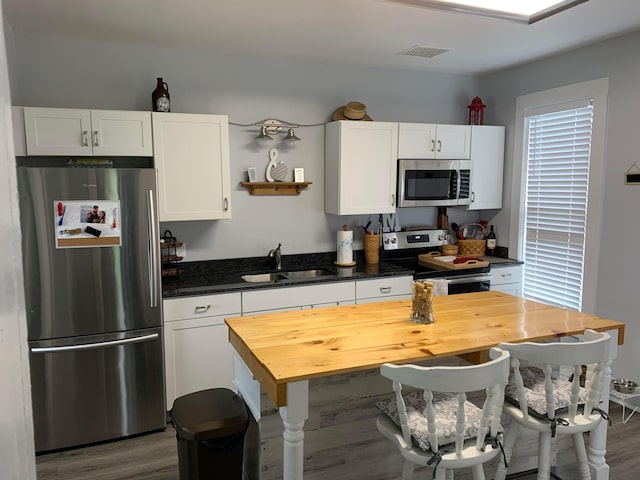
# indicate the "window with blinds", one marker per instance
pixel 556 190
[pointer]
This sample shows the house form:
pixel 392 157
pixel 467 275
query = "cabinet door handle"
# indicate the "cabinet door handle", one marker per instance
pixel 85 138
pixel 96 139
pixel 473 197
pixel 202 308
pixel 226 204
pixel 505 275
pixel 385 289
pixel 439 146
pixel 433 145
pixel 393 200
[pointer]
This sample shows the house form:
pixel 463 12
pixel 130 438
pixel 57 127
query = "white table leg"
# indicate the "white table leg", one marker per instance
pixel 293 418
pixel 598 437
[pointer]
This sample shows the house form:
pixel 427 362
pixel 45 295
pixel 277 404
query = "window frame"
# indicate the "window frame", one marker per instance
pixel 526 105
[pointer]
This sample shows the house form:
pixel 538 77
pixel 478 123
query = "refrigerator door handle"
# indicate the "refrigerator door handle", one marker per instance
pixel 154 245
pixel 90 346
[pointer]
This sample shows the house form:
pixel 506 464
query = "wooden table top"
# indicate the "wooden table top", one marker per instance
pixel 286 347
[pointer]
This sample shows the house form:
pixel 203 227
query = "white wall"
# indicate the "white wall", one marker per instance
pixel 619 264
pixel 16 438
pixel 60 72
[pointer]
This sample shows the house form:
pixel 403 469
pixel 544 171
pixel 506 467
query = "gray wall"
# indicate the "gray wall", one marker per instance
pixel 75 73
pixel 619 264
pixel 16 441
pixel 61 72
pixel 10 47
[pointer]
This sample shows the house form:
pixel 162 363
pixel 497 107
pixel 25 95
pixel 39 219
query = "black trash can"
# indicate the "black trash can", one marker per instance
pixel 210 428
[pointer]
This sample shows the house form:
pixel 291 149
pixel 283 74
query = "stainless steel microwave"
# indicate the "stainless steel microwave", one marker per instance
pixel 433 183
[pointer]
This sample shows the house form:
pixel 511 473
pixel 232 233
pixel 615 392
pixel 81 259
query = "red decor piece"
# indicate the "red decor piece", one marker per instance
pixel 476 112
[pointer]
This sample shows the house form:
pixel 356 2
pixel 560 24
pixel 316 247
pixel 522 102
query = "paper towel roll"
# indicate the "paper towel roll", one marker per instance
pixel 345 247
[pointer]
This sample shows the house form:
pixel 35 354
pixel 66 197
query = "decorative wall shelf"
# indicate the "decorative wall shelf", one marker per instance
pixel 275 188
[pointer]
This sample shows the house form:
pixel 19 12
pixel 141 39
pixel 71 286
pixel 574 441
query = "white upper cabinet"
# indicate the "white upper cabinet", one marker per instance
pixel 19 142
pixel 192 158
pixel 429 140
pixel 68 131
pixel 487 160
pixel 360 167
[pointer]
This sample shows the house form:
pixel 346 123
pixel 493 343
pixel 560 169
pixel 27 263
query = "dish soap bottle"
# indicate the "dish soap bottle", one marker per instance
pixel 491 241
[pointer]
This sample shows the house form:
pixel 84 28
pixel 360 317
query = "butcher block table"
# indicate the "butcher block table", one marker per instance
pixel 283 351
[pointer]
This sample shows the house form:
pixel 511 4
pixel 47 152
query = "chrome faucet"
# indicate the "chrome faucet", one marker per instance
pixel 277 255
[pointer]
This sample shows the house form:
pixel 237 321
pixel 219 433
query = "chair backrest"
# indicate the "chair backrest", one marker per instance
pixel 592 351
pixel 490 377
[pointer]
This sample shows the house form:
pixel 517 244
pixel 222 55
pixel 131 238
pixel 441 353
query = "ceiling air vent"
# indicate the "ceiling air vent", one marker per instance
pixel 425 52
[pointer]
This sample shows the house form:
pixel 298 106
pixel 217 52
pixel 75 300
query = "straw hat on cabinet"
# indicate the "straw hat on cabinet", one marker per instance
pixel 352 111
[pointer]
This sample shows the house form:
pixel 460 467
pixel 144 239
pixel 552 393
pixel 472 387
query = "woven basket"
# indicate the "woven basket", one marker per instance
pixel 471 247
pixel 449 249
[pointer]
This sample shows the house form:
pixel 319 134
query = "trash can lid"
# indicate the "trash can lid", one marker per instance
pixel 207 414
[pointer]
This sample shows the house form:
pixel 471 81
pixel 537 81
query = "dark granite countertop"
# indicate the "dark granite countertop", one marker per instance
pixel 501 262
pixel 224 276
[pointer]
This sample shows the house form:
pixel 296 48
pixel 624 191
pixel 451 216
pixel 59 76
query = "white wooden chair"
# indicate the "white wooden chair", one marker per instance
pixel 439 427
pixel 541 398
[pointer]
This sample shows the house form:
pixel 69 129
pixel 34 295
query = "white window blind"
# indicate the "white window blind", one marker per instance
pixel 558 153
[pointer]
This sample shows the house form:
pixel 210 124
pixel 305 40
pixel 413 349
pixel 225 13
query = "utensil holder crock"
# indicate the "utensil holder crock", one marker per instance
pixel 372 248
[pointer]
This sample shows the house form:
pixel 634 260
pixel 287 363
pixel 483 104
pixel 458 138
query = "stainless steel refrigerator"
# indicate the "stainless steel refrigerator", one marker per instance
pixel 93 295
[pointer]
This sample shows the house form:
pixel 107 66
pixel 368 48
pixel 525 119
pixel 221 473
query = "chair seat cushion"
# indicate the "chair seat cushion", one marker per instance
pixel 533 381
pixel 445 406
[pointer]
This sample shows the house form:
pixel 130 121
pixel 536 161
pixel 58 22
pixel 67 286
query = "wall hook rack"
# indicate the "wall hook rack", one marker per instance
pixel 270 127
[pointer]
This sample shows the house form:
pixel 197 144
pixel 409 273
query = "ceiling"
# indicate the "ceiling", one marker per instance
pixel 356 32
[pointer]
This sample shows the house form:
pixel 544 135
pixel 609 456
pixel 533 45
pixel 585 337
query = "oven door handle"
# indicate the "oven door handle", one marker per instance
pixel 471 279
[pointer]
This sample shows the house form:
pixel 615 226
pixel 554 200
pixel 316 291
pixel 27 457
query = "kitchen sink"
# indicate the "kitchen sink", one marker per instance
pixel 279 276
pixel 263 277
pixel 303 274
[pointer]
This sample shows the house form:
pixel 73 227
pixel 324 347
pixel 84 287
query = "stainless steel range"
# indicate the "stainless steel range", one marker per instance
pixel 402 249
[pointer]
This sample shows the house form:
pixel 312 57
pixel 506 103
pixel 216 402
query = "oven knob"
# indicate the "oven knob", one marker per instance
pixel 440 237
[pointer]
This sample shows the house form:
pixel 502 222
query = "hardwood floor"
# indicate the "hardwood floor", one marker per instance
pixel 147 457
pixel 154 457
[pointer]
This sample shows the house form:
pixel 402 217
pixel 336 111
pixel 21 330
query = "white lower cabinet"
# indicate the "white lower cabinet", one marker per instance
pixel 507 279
pixel 282 299
pixel 381 289
pixel 198 354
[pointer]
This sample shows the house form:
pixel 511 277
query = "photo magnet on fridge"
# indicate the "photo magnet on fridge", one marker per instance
pixel 87 223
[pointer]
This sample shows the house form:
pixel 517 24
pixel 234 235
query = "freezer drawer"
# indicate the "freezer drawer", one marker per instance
pixel 96 387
